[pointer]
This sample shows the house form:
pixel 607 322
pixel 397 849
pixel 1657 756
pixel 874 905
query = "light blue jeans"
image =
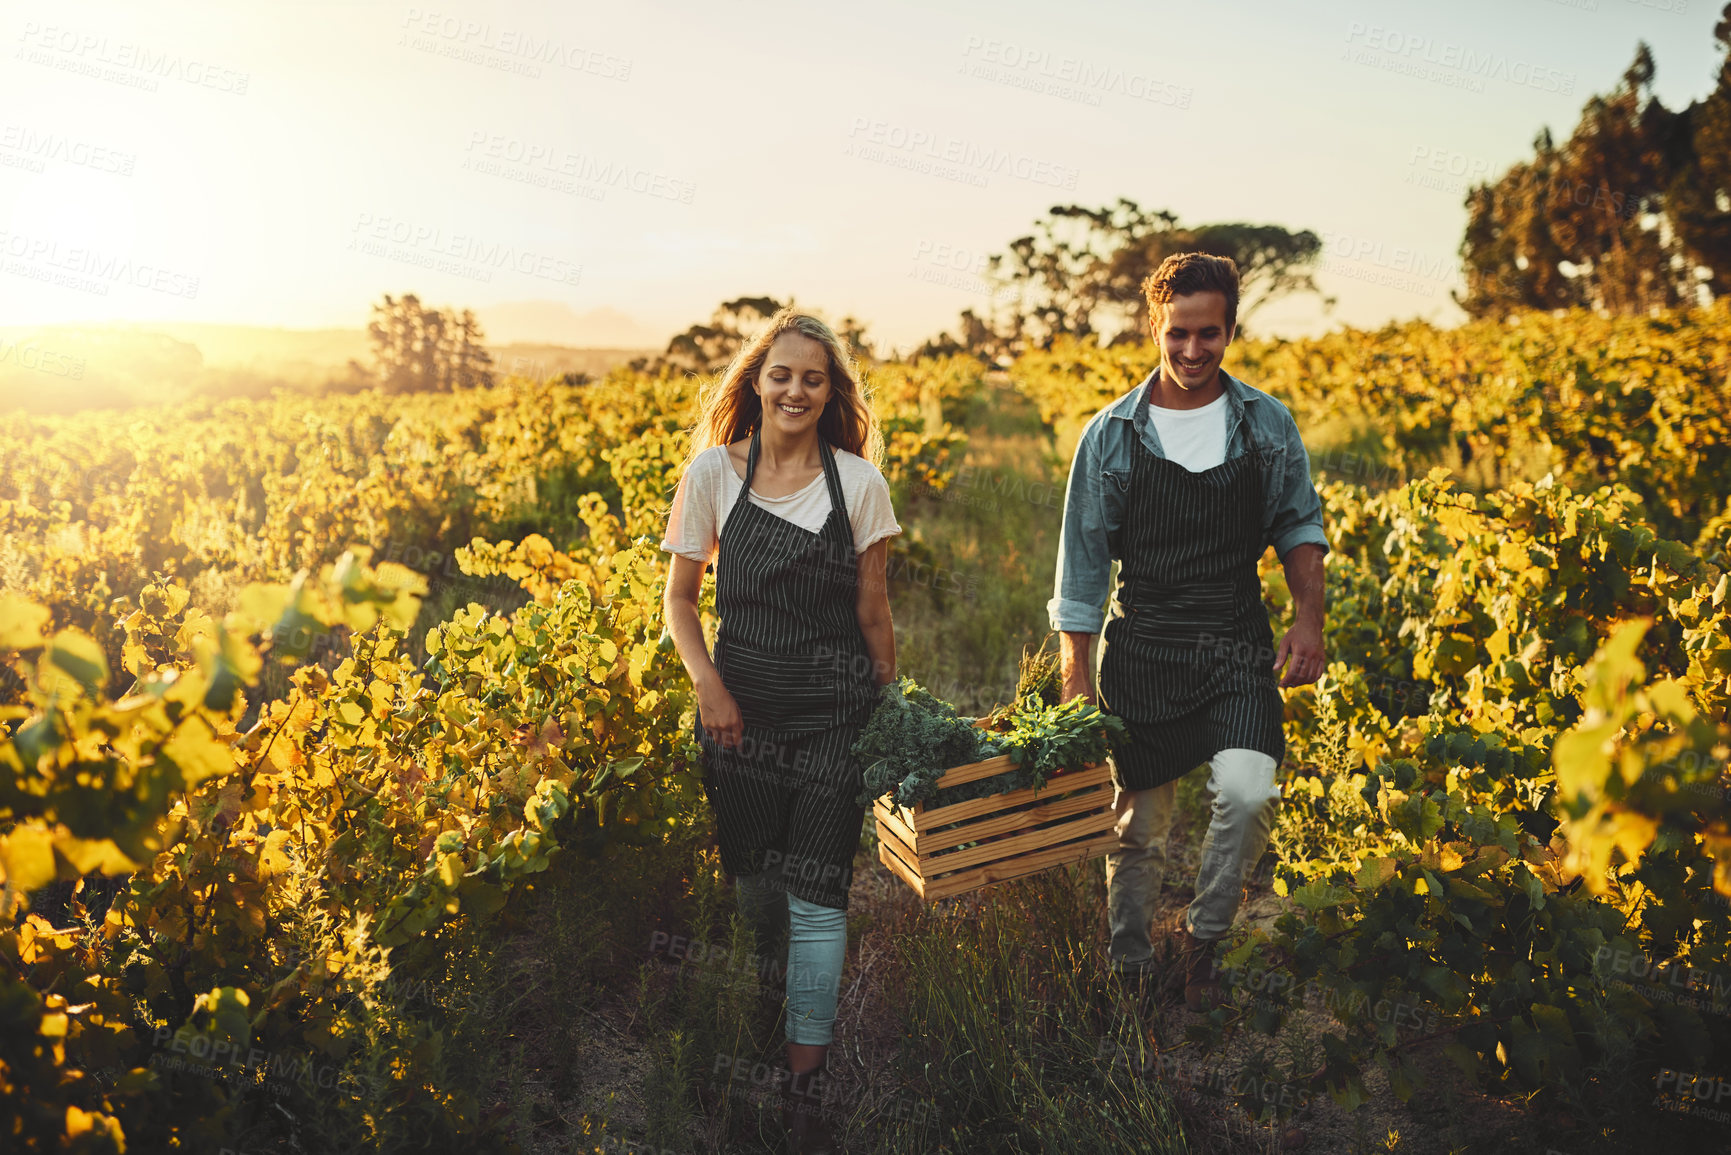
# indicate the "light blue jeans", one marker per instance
pixel 816 948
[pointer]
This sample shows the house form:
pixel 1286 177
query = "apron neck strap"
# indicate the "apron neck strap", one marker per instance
pixel 750 462
pixel 831 474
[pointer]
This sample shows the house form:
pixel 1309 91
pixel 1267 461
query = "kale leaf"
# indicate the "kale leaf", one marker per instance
pixel 913 737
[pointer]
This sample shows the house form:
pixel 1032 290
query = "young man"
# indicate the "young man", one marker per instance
pixel 1186 481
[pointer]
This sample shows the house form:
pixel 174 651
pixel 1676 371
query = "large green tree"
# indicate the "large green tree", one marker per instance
pixel 1699 195
pixel 1081 271
pixel 1633 212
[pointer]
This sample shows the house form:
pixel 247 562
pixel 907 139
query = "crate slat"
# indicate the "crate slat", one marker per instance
pixel 974 807
pixel 888 856
pixel 1088 823
pixel 974 771
pixel 1057 803
pixel 1070 819
pixel 899 824
pixel 891 839
pixel 1002 871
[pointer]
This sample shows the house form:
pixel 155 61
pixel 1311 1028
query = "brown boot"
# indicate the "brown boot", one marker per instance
pixel 1195 958
pixel 802 1117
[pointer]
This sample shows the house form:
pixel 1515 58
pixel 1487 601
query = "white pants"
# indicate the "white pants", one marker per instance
pixel 1244 800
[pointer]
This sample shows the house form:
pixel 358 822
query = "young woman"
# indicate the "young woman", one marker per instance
pixel 782 496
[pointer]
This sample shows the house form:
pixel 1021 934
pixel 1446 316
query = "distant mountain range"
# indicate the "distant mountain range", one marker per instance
pixel 65 368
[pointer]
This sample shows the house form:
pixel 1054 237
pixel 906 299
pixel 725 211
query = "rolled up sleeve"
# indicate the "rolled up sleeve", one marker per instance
pixel 1084 554
pixel 1298 514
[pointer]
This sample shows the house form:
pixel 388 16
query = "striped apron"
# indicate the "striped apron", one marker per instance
pixel 1189 654
pixel 791 653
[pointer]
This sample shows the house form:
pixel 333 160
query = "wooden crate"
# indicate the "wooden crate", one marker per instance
pixel 1070 819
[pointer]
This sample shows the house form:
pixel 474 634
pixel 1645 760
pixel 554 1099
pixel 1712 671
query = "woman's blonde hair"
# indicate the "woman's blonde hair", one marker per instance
pixel 729 409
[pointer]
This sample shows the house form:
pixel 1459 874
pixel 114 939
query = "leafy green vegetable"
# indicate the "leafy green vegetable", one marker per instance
pixel 1045 739
pixel 913 737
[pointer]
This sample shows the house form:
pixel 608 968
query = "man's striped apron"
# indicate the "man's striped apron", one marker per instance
pixel 1188 659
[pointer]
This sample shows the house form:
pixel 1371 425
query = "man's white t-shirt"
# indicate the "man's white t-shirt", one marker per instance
pixel 1194 438
pixel 710 487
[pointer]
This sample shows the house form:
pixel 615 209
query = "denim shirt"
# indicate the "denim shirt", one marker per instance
pixel 1100 483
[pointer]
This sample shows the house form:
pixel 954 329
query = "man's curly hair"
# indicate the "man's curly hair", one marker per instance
pixel 1184 273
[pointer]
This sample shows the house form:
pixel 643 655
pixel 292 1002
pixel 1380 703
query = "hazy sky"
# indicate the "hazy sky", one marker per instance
pixel 285 162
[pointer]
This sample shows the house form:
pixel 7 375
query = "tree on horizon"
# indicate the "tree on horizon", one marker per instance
pixel 1080 273
pixel 1631 213
pixel 706 348
pixel 421 350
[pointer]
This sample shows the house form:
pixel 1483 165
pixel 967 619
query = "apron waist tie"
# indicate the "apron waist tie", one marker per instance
pixel 1138 595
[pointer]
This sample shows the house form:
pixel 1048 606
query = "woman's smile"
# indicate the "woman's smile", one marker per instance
pixel 795 383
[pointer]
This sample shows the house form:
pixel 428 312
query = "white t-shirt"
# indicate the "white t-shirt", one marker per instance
pixel 710 487
pixel 1194 438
